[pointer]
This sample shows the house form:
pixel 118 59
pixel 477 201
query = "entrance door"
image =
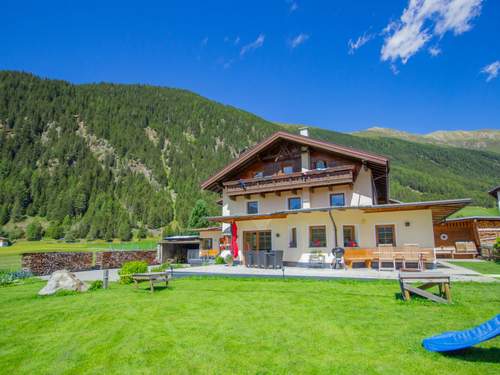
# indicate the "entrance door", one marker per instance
pixel 257 240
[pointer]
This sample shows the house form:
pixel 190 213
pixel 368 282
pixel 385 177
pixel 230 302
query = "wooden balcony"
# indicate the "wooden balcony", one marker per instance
pixel 316 178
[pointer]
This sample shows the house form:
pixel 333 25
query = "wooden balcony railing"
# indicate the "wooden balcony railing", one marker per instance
pixel 315 178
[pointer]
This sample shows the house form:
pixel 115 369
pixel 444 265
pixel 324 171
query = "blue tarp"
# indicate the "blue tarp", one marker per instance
pixel 456 340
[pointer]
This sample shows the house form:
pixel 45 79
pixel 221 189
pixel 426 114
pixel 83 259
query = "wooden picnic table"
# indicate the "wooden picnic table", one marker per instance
pixel 429 280
pixel 152 277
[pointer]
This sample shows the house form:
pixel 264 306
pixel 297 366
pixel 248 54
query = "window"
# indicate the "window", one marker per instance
pixel 253 207
pixel 320 164
pixel 206 243
pixel 337 200
pixel 257 241
pixel 294 203
pixel 385 235
pixel 293 238
pixel 317 236
pixel 259 174
pixel 288 169
pixel 349 232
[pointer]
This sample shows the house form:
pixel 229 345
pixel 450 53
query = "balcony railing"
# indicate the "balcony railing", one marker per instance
pixel 314 178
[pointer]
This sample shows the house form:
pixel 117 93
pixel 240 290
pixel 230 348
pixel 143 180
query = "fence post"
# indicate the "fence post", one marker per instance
pixel 105 278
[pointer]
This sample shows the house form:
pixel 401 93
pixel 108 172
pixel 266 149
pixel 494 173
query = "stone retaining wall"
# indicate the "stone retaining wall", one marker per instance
pixel 45 263
pixel 115 259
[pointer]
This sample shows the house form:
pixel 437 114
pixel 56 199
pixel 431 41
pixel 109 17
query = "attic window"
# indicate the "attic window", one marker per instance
pixel 288 170
pixel 259 174
pixel 321 164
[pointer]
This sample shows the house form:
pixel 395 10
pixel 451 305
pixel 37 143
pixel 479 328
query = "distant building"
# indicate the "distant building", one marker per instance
pixel 4 242
pixel 495 193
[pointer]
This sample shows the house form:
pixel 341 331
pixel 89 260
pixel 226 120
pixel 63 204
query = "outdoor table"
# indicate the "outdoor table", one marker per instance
pixel 152 277
pixel 429 279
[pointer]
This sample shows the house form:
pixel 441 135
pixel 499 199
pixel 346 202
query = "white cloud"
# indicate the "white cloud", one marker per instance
pixel 361 41
pixel 298 40
pixel 237 41
pixel 434 51
pixel 204 41
pixel 257 43
pixel 423 20
pixel 293 5
pixel 491 70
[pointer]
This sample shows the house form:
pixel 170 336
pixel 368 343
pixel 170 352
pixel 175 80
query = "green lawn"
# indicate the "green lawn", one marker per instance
pixel 10 257
pixel 483 267
pixel 247 326
pixel 476 211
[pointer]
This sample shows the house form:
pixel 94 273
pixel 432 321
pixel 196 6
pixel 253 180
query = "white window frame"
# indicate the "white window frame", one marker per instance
pixel 291 197
pixel 252 200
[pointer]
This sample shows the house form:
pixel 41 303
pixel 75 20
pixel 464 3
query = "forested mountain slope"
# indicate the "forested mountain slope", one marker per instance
pixel 103 155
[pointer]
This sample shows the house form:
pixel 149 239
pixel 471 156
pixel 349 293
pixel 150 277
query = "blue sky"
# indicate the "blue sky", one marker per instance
pixel 417 66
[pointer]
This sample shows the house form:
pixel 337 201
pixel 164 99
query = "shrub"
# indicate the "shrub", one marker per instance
pixel 7 278
pixel 130 268
pixel 142 232
pixel 229 259
pixel 15 233
pixel 96 284
pixel 34 231
pixel 69 237
pixel 219 260
pixel 55 231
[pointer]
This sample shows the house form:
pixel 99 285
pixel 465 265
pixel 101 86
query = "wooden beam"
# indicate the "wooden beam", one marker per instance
pixel 330 187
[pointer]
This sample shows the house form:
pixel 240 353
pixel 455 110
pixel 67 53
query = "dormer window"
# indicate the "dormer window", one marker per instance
pixel 288 169
pixel 321 164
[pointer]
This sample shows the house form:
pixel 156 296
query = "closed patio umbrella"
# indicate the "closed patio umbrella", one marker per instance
pixel 234 239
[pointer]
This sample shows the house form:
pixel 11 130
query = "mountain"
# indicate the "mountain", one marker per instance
pixel 487 139
pixel 99 158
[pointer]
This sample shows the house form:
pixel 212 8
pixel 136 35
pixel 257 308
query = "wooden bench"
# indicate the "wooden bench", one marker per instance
pixel 152 277
pixel 357 256
pixel 429 280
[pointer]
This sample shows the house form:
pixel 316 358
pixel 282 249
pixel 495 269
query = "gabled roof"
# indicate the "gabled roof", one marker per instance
pixel 493 192
pixel 371 159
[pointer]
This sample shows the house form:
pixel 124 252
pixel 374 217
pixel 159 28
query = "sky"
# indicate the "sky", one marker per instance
pixel 413 65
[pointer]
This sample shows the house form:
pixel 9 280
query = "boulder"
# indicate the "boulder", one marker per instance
pixel 63 280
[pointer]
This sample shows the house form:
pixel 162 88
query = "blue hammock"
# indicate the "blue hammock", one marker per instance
pixel 456 340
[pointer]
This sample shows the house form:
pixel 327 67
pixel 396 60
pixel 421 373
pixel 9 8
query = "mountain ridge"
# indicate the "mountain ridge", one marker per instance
pixel 99 157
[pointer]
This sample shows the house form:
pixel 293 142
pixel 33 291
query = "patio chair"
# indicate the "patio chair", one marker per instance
pixel 276 258
pixel 385 253
pixel 412 254
pixel 263 259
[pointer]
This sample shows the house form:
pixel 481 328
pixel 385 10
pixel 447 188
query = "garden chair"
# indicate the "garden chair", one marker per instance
pixel 412 254
pixel 385 253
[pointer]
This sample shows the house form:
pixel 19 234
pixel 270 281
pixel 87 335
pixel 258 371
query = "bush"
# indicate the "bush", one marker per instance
pixel 69 237
pixel 96 284
pixel 142 232
pixel 15 233
pixel 130 268
pixel 7 278
pixel 34 231
pixel 219 260
pixel 55 231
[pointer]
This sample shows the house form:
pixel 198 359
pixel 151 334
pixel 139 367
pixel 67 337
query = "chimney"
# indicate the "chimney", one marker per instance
pixel 304 132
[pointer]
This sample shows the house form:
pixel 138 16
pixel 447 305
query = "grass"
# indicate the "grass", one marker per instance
pixel 241 326
pixel 476 211
pixel 484 267
pixel 10 257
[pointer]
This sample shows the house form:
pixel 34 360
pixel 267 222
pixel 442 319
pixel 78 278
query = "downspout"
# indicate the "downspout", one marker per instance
pixel 334 227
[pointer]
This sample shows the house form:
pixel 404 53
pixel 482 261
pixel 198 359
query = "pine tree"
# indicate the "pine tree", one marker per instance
pixel 4 214
pixel 124 231
pixel 142 232
pixel 197 219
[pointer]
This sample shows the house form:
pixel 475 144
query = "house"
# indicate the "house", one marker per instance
pixel 482 230
pixel 4 242
pixel 306 196
pixel 495 193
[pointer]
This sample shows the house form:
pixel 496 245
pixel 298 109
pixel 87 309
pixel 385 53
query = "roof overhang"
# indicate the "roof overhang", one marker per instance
pixel 493 192
pixel 440 210
pixel 373 161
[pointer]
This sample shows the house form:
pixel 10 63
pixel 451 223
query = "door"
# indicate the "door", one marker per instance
pixel 257 240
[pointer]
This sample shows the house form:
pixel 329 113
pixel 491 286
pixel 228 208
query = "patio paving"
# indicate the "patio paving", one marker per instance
pixel 456 273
